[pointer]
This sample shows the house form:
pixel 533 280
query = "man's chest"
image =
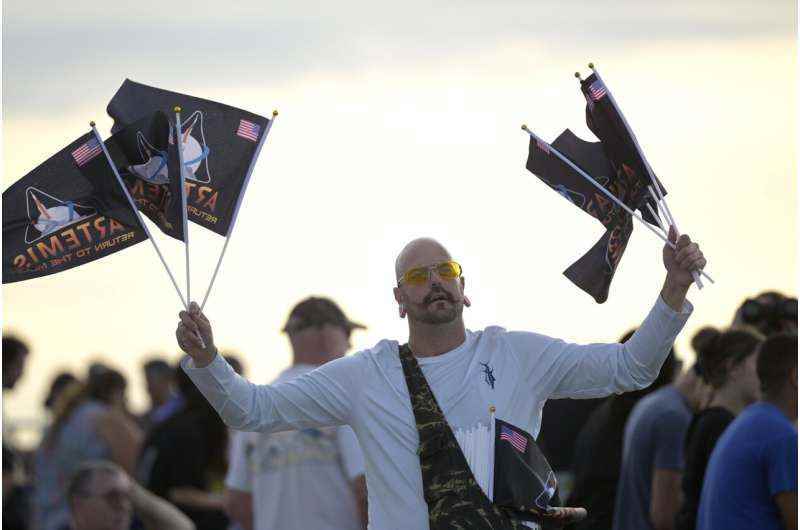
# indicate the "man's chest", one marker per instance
pixel 465 390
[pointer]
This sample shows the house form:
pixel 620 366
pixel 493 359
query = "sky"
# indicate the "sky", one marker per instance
pixel 398 121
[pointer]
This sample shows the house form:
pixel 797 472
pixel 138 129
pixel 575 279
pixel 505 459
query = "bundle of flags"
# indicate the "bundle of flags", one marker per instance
pixel 617 165
pixel 512 471
pixel 84 202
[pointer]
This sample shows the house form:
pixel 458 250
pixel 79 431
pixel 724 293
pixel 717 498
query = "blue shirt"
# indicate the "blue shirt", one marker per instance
pixel 754 460
pixel 654 436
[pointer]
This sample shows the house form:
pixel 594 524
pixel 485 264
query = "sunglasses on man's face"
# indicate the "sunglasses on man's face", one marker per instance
pixel 446 270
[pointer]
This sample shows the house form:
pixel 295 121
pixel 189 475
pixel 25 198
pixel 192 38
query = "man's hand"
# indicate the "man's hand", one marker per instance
pixel 192 323
pixel 680 263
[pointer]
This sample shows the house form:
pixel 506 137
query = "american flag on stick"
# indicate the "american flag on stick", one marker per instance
pixel 248 130
pixel 86 152
pixel 519 442
pixel 597 90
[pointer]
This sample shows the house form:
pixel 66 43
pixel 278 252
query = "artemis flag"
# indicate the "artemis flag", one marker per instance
pixel 594 271
pixel 68 211
pixel 606 122
pixel 219 143
pixel 524 483
pixel 616 164
pixel 147 159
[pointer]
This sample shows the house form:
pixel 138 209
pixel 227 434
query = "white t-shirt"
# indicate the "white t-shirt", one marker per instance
pixel 367 391
pixel 298 479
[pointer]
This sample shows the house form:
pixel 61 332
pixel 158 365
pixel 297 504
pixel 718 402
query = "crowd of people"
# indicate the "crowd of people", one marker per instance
pixel 713 446
pixel 177 466
pixel 710 447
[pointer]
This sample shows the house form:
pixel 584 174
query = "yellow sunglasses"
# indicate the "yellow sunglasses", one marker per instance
pixel 446 270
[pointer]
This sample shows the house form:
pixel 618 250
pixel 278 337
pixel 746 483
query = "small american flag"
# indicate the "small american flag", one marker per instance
pixel 86 152
pixel 248 130
pixel 543 146
pixel 597 90
pixel 519 442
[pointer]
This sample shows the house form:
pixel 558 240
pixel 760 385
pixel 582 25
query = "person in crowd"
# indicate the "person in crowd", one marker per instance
pixel 768 313
pixel 16 490
pixel 164 401
pixel 728 365
pixel 274 478
pixel 90 423
pixel 60 383
pixel 562 420
pixel 16 495
pixel 404 401
pixel 648 493
pixel 184 459
pixel 751 479
pixel 101 496
pixel 597 477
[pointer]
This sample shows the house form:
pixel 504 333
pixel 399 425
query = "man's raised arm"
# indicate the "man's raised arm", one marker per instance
pixel 323 397
pixel 597 370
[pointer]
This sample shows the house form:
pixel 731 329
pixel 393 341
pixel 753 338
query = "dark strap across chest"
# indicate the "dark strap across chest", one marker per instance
pixel 455 500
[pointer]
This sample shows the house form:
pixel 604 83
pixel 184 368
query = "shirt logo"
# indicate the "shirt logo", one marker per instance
pixel 488 374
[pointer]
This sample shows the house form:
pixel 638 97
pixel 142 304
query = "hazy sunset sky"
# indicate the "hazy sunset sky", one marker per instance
pixel 399 120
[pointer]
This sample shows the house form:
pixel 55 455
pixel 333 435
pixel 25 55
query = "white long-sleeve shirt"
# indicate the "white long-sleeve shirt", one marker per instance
pixel 368 391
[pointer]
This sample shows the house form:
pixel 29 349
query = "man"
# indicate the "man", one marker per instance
pixel 751 480
pixel 274 479
pixel 648 493
pixel 417 481
pixel 164 401
pixel 101 496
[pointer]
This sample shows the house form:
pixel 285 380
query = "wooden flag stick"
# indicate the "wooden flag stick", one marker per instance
pixel 604 191
pixel 669 218
pixel 238 205
pixel 179 140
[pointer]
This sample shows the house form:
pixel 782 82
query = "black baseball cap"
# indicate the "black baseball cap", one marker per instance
pixel 318 311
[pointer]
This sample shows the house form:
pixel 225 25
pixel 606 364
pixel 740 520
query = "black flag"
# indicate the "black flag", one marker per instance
pixel 594 271
pixel 68 211
pixel 147 159
pixel 605 121
pixel 219 143
pixel 524 483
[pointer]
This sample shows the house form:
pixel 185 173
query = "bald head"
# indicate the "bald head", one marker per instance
pixel 419 252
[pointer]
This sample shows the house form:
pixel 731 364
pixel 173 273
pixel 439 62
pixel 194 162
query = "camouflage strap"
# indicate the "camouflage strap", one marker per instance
pixel 455 501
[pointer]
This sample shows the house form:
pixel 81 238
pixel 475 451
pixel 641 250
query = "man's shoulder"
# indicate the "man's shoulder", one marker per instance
pixel 764 419
pixel 661 406
pixel 384 349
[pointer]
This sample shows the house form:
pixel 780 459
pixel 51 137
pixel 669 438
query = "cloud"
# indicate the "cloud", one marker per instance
pixel 72 55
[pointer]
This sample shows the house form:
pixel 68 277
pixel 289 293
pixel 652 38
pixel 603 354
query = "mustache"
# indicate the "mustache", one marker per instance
pixel 438 292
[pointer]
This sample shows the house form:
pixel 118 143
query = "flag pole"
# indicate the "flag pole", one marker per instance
pixel 670 218
pixel 605 191
pixel 179 146
pixel 136 211
pixel 660 209
pixel 238 205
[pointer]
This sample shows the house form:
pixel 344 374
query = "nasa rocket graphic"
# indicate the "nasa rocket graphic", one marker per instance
pixel 195 152
pixel 48 214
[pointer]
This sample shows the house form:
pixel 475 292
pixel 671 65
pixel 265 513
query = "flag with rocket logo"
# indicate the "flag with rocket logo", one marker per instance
pixel 67 212
pixel 219 145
